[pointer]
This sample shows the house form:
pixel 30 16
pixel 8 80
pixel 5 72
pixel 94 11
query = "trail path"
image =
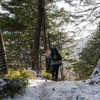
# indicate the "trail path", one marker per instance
pixel 41 89
pixel 54 91
pixel 72 91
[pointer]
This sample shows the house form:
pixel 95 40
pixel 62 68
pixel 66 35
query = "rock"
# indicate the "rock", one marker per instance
pixel 53 89
pixel 95 77
pixel 96 72
pixel 83 80
pixel 91 82
pixel 77 97
pixel 45 80
pixel 97 82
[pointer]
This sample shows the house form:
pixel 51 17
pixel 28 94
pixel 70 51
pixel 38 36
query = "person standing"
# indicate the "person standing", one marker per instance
pixel 55 60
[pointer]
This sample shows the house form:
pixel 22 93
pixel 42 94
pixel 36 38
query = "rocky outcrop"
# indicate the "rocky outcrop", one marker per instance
pixel 95 77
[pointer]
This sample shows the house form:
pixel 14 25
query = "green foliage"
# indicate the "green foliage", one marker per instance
pixel 91 53
pixel 27 74
pixel 16 82
pixel 18 38
pixel 21 25
pixel 82 70
pixel 89 56
pixel 46 75
pixel 24 73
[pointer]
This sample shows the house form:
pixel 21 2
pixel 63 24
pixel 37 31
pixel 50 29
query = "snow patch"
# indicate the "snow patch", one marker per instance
pixel 95 77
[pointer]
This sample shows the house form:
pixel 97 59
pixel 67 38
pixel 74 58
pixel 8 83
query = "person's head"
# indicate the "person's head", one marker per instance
pixel 54 49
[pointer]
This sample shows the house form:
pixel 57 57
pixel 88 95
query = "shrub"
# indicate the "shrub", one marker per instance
pixel 16 82
pixel 27 74
pixel 59 79
pixel 12 86
pixel 24 73
pixel 47 75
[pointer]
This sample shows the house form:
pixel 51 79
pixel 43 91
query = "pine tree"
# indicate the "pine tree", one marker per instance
pixel 89 56
pixel 91 51
pixel 20 29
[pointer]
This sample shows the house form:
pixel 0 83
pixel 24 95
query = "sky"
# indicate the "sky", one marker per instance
pixel 42 89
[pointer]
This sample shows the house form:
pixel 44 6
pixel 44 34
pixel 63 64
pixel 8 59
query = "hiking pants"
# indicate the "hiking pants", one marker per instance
pixel 55 69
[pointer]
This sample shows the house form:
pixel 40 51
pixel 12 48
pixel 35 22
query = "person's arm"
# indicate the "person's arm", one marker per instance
pixel 49 61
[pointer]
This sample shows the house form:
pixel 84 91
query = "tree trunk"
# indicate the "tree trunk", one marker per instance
pixel 44 31
pixel 49 41
pixel 50 69
pixel 40 63
pixel 62 74
pixel 3 66
pixel 32 55
pixel 37 37
pixel 69 75
pixel 60 49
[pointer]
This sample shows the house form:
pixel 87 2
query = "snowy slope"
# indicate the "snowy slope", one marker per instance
pixel 95 77
pixel 64 90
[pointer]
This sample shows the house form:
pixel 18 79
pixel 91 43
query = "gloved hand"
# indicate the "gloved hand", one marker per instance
pixel 49 66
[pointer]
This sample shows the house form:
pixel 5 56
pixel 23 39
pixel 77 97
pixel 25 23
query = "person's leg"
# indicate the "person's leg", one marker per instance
pixel 53 71
pixel 56 75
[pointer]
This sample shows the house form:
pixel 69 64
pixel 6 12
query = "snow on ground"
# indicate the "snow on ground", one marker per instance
pixel 95 77
pixel 40 89
pixel 64 90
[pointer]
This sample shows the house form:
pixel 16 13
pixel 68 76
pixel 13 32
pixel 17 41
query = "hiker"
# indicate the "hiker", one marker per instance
pixel 55 60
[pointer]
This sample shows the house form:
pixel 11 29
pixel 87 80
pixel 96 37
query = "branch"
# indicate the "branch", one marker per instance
pixel 87 10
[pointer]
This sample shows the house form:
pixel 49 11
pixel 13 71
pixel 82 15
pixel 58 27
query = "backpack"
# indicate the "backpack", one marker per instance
pixel 55 55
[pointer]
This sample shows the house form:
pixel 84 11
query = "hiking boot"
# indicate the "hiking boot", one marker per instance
pixel 55 80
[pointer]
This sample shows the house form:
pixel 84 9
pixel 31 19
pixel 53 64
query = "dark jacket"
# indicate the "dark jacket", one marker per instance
pixel 59 62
